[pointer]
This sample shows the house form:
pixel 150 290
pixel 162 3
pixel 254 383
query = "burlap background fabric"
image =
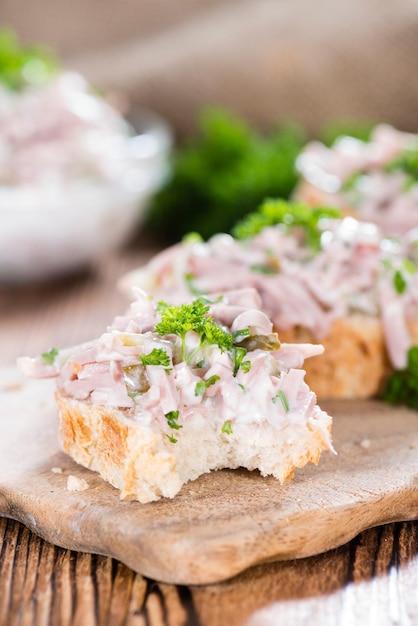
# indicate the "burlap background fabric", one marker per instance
pixel 309 61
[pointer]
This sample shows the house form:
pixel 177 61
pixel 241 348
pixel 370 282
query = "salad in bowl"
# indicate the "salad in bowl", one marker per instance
pixel 75 176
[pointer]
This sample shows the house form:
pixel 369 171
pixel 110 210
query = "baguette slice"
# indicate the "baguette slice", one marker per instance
pixel 370 180
pixel 356 292
pixel 144 465
pixel 170 392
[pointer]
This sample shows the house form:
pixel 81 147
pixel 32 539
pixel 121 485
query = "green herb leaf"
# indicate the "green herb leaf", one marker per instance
pixel 246 366
pixel 237 356
pixel 189 280
pixel 263 269
pixel 172 417
pixel 21 65
pixel 399 282
pixel 290 216
pixel 283 399
pixel 157 356
pixel 171 438
pixel 179 320
pixel 50 356
pixel 238 335
pixel 406 162
pixel 400 276
pixel 227 428
pixel 192 237
pixel 202 385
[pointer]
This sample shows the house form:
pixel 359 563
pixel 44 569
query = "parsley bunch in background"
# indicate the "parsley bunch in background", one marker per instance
pixel 222 174
pixel 228 169
pixel 22 65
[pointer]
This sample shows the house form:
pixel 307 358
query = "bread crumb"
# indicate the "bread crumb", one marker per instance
pixel 365 443
pixel 56 470
pixel 76 484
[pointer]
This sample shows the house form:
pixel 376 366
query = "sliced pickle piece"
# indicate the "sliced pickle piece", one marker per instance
pixel 261 342
pixel 136 379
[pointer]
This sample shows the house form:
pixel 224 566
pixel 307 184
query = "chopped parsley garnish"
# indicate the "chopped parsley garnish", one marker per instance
pixel 402 386
pixel 400 273
pixel 157 356
pixel 245 366
pixel 280 395
pixel 172 417
pixel 227 428
pixel 238 335
pixel 263 269
pixel 406 162
pixel 171 438
pixel 399 282
pixel 192 237
pixel 290 215
pixel 50 356
pixel 238 355
pixel 179 320
pixel 189 280
pixel 202 385
pixel 22 66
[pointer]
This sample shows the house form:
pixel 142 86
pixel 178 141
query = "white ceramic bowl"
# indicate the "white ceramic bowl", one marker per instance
pixel 60 228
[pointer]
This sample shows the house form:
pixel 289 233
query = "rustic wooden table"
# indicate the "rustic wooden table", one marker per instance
pixel 372 580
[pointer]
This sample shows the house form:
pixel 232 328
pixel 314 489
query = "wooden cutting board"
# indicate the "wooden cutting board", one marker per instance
pixel 225 521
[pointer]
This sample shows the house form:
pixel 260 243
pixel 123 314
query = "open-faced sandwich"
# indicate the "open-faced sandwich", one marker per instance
pixel 171 392
pixel 375 180
pixel 321 277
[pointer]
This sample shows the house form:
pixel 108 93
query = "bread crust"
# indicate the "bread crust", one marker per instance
pixel 145 465
pixel 355 363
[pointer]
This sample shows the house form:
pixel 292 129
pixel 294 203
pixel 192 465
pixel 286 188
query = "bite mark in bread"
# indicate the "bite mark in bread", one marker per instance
pixel 144 465
pixel 169 393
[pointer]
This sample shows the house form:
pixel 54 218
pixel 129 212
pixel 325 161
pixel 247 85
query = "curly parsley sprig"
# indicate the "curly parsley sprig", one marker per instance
pixel 23 65
pixel 290 215
pixel 180 320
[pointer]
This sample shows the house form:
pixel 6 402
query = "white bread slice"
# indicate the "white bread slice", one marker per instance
pixel 145 465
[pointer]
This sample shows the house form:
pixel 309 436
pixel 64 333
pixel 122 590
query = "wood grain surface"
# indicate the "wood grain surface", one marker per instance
pixel 372 579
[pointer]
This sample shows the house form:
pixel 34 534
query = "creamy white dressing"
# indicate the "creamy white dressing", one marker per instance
pixel 305 289
pixel 60 132
pixel 388 198
pixel 262 387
